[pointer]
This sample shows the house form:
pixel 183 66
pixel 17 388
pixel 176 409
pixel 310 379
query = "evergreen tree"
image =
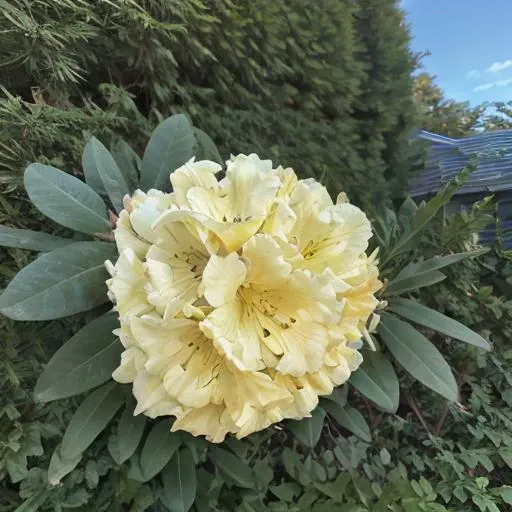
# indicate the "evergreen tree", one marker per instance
pixel 384 111
pixel 321 86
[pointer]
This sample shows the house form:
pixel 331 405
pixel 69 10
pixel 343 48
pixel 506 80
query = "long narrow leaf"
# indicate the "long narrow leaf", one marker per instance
pixel 376 379
pixel 66 200
pixel 103 174
pixel 349 418
pixel 128 162
pixel 413 283
pixel 206 148
pixel 171 145
pixel 31 240
pixel 161 444
pixel 432 319
pixel 85 361
pixel 308 430
pixel 424 215
pixel 418 356
pixel 233 469
pixel 180 482
pixel 59 283
pixel 437 263
pixel 90 419
pixel 129 433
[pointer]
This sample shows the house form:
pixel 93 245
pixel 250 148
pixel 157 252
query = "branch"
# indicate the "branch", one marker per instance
pixel 442 419
pixel 416 411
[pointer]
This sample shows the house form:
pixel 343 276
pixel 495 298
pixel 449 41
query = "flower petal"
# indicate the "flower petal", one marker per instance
pixel 193 174
pixel 235 334
pixel 221 279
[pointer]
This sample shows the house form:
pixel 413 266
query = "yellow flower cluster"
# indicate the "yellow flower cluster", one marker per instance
pixel 240 300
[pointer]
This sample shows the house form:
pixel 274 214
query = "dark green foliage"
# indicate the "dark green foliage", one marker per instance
pixel 384 110
pixel 324 87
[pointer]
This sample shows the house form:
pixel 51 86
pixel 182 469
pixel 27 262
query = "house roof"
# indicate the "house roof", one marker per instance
pixel 490 151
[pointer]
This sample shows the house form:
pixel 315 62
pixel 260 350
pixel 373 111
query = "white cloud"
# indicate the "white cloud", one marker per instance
pixel 474 73
pixel 490 85
pixel 483 87
pixel 499 66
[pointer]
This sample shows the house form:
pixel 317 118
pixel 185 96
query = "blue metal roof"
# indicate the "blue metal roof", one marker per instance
pixel 490 151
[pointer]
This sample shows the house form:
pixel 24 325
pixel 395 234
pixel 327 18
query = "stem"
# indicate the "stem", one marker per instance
pixel 108 237
pixel 442 419
pixel 416 411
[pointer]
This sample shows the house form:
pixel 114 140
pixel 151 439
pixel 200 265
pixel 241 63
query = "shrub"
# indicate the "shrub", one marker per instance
pixel 310 471
pixel 324 87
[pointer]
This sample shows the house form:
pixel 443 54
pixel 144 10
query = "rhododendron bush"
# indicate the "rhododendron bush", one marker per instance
pixel 223 300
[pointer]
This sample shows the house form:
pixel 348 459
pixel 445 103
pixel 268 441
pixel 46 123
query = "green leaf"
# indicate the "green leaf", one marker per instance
pixel 129 433
pixel 349 418
pixel 418 356
pixel 286 491
pixel 408 284
pixel 59 283
pixel 506 455
pixel 385 227
pixel 233 469
pixel 171 145
pixel 60 466
pixel 180 484
pixel 34 502
pixel 424 215
pixel 90 419
pixel 506 494
pixel 376 380
pixel 30 240
pixel 102 173
pixel 66 200
pixel 406 213
pixel 128 162
pixel 308 430
pixel 160 446
pixel 339 395
pixel 85 361
pixel 432 319
pixel 436 263
pixel 206 148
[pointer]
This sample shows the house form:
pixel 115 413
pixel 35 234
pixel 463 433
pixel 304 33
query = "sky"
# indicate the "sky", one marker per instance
pixel 470 42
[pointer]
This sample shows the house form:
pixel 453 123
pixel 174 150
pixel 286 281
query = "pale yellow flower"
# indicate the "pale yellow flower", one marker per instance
pixel 241 301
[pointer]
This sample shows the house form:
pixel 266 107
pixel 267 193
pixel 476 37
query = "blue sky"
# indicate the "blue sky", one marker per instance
pixel 470 43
